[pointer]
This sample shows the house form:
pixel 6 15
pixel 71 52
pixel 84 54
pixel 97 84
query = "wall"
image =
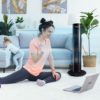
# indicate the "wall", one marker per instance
pixel 34 11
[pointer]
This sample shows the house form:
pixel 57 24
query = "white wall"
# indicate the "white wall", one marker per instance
pixel 34 11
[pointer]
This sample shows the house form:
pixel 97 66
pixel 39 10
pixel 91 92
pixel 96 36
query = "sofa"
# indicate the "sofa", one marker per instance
pixel 61 49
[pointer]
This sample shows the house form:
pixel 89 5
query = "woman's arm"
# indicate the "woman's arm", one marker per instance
pixel 50 57
pixel 55 75
pixel 51 63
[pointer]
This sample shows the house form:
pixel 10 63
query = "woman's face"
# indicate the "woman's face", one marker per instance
pixel 47 32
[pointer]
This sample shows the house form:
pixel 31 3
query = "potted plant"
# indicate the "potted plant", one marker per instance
pixel 5 26
pixel 88 22
pixel 19 22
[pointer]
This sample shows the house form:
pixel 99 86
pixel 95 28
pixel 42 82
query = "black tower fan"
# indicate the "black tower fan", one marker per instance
pixel 76 68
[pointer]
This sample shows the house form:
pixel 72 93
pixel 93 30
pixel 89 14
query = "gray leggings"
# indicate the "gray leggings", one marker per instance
pixel 24 74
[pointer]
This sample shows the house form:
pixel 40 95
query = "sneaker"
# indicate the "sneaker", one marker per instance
pixel 40 82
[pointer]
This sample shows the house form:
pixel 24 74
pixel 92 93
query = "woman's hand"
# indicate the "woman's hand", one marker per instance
pixel 44 49
pixel 56 75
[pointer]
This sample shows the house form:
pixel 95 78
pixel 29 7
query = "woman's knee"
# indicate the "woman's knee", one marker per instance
pixel 59 76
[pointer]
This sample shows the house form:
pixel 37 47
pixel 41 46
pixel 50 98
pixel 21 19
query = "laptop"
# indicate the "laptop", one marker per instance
pixel 87 85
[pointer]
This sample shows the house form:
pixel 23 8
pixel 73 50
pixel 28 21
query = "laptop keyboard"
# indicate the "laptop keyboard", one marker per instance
pixel 77 89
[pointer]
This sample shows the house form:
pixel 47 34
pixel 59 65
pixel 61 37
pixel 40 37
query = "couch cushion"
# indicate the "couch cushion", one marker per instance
pixel 61 54
pixel 24 40
pixel 1 41
pixel 58 40
pixel 69 42
pixel 26 53
pixel 14 40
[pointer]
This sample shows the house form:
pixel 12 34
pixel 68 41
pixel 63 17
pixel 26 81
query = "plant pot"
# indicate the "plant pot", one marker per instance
pixel 20 25
pixel 89 61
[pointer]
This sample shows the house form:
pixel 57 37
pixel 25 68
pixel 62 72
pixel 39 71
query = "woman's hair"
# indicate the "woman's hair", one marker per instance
pixel 6 39
pixel 45 24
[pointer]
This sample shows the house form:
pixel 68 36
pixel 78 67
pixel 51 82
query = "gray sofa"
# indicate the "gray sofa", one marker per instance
pixel 61 49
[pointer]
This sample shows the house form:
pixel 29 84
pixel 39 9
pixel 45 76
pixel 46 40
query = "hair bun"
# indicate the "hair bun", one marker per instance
pixel 51 22
pixel 43 20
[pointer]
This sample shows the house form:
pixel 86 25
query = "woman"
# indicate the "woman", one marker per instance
pixel 39 52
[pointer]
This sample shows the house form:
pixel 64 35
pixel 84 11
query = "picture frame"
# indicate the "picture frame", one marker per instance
pixel 14 6
pixel 54 6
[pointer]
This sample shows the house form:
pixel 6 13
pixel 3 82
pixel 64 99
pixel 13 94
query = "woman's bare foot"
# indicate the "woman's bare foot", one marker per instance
pixel 40 82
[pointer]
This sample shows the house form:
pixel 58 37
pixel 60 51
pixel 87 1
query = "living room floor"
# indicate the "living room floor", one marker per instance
pixel 26 90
